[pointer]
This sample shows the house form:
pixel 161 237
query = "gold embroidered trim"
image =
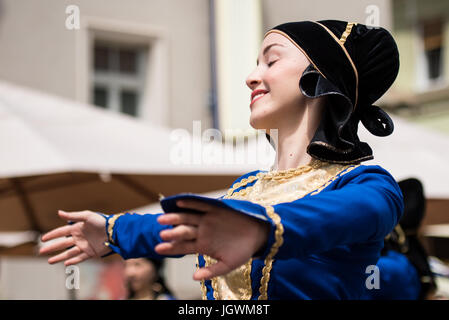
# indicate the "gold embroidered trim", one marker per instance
pixel 339 174
pixel 289 173
pixel 296 45
pixel 247 277
pixel 111 223
pixel 243 192
pixel 203 290
pixel 203 283
pixel 347 32
pixel 281 175
pixel 279 240
pixel 243 182
pixel 275 175
pixel 208 261
pixel 350 60
pixel 221 284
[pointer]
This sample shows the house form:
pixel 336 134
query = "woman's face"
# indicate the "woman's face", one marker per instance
pixel 140 273
pixel 279 67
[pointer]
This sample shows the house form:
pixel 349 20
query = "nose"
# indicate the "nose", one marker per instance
pixel 253 80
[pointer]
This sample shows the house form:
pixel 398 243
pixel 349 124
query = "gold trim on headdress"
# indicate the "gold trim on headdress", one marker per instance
pixel 347 32
pixel 348 56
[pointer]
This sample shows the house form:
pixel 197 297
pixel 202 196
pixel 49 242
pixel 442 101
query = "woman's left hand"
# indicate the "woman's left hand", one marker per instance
pixel 227 236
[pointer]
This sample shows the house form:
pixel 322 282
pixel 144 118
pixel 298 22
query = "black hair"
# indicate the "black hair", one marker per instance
pixel 164 290
pixel 404 238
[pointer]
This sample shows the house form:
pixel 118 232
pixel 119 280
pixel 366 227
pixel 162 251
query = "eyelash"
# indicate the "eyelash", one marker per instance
pixel 271 63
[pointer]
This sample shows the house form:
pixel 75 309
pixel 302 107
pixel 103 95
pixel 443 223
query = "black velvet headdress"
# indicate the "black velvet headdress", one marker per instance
pixel 353 65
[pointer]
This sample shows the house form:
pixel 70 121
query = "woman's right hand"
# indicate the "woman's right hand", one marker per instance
pixel 84 238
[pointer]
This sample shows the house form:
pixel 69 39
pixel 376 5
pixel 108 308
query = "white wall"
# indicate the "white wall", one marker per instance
pixel 37 50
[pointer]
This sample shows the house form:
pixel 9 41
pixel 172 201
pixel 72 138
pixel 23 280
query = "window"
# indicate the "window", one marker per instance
pixel 432 32
pixel 100 96
pixel 118 77
pixel 128 102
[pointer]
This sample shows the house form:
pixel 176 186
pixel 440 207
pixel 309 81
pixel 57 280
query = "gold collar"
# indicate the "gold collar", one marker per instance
pixel 292 172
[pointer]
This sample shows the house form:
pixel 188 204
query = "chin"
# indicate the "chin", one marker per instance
pixel 260 121
pixel 136 286
pixel 256 124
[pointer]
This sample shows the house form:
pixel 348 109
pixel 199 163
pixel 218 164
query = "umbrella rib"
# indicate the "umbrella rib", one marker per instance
pixel 7 189
pixel 150 195
pixel 49 186
pixel 28 208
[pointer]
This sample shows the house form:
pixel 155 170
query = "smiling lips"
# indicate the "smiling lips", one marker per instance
pixel 256 95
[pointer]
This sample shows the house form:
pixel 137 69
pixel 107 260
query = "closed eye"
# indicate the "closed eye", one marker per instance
pixel 271 63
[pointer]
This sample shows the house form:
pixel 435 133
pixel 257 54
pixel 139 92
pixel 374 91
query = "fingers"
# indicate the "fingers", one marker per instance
pixel 77 259
pixel 179 218
pixel 57 246
pixel 65 230
pixel 73 216
pixel 65 255
pixel 57 233
pixel 176 247
pixel 214 270
pixel 179 233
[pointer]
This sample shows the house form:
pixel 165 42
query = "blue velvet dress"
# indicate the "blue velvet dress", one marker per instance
pixel 399 279
pixel 327 226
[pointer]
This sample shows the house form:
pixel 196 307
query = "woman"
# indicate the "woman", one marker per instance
pixel 310 227
pixel 145 281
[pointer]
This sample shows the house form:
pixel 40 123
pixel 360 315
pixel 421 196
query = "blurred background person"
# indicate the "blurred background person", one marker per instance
pixel 405 273
pixel 145 281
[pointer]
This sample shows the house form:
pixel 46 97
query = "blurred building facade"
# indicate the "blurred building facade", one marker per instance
pixel 165 62
pixel 149 59
pixel 171 62
pixel 421 91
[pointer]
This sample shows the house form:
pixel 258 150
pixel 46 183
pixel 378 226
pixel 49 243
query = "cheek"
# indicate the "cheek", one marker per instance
pixel 128 274
pixel 283 79
pixel 147 273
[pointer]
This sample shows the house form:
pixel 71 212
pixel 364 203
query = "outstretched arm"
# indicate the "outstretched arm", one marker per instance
pixel 96 235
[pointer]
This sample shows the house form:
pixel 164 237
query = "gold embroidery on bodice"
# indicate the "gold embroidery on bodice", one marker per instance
pixel 271 188
pixel 283 186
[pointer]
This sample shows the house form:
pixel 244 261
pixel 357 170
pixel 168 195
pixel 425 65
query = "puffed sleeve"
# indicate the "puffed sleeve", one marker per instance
pixel 362 206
